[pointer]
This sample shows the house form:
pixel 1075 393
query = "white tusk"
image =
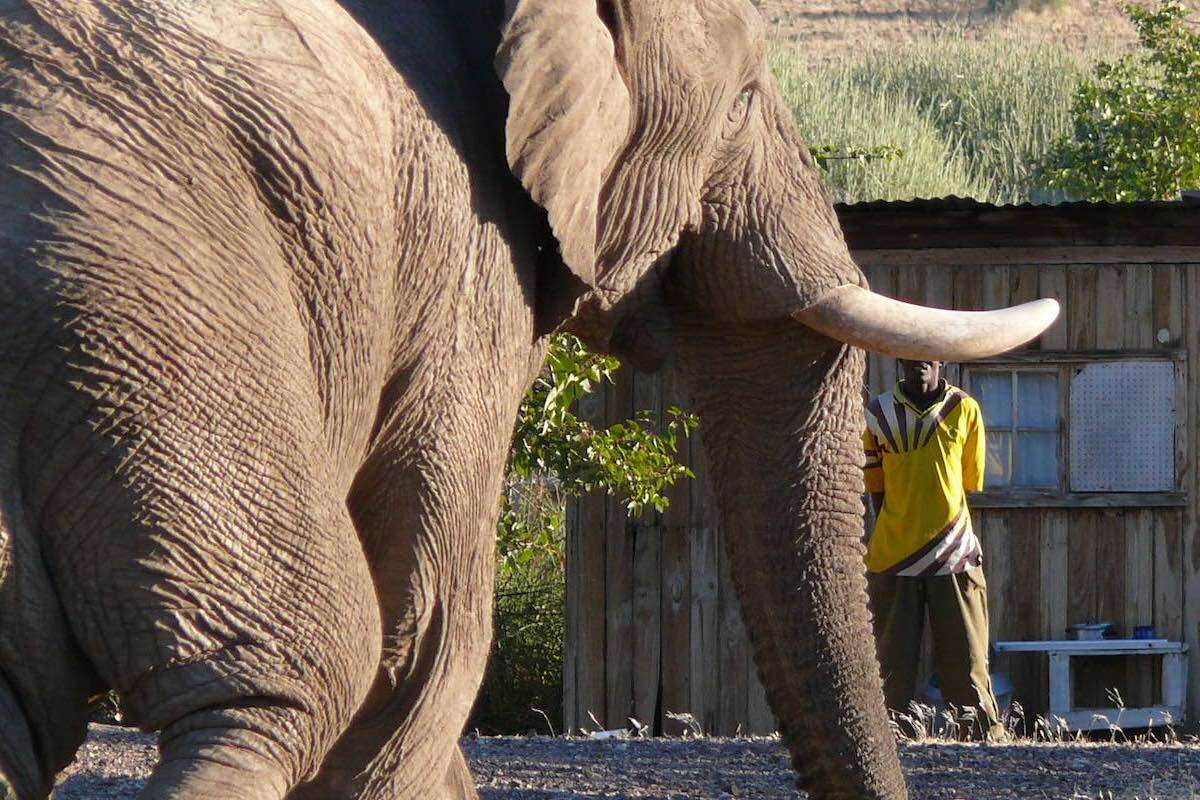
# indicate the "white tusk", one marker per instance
pixel 880 324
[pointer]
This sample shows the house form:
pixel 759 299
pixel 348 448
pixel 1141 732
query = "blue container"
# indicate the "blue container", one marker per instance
pixel 1144 632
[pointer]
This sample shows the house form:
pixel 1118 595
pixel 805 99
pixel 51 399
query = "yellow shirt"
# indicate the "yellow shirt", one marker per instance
pixel 925 462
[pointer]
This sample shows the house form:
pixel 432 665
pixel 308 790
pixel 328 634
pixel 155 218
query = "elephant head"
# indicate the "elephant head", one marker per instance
pixel 694 228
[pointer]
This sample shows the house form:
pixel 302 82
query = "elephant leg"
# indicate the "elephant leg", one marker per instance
pixel 45 681
pixel 256 713
pixel 428 530
pixel 212 573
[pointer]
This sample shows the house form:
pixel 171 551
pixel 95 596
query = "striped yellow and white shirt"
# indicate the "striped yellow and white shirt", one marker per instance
pixel 925 462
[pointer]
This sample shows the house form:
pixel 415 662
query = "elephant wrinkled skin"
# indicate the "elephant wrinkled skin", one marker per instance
pixel 276 274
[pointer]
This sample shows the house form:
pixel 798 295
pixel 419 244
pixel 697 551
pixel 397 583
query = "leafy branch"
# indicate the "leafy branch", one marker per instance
pixel 828 152
pixel 1137 120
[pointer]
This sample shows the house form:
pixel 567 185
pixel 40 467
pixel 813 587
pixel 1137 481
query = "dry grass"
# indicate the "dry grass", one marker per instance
pixel 971 117
pixel 830 29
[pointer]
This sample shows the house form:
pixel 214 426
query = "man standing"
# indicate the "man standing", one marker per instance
pixel 925 449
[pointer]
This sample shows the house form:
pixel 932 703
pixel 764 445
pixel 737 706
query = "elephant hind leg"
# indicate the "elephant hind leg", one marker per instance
pixel 21 776
pixel 45 681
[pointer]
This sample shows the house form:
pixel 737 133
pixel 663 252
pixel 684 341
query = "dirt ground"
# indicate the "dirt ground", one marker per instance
pixel 114 762
pixel 831 29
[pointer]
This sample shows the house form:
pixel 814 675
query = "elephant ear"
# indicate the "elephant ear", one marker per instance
pixel 568 115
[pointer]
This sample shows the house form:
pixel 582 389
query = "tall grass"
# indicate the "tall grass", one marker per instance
pixel 972 115
pixel 832 107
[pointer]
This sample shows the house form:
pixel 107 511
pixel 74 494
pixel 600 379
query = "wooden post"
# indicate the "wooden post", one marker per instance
pixel 1062 685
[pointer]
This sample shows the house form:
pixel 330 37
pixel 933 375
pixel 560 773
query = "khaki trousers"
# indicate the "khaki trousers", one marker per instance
pixel 958 620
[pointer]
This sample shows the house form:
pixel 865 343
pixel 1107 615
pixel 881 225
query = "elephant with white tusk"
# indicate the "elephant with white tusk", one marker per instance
pixel 275 276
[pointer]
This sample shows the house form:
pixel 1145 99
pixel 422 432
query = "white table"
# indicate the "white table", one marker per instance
pixel 1062 681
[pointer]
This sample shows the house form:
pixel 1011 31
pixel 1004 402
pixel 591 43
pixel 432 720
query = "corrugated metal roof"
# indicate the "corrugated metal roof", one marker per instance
pixel 960 222
pixel 953 202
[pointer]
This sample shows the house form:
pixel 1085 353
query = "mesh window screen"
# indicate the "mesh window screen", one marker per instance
pixel 1123 427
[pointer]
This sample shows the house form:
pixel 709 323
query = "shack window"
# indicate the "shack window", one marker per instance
pixel 1080 429
pixel 1020 412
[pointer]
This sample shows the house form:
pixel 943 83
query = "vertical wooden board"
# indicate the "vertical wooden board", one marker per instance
pixel 702 503
pixel 875 274
pixel 1023 289
pixel 939 286
pixel 1025 283
pixel 1081 307
pixel 1053 593
pixel 997 564
pixel 647 399
pixel 996 287
pixel 1110 559
pixel 1168 299
pixel 734 699
pixel 1110 600
pixel 647 635
pixel 1168 574
pixel 618 604
pixel 703 682
pixel 1191 532
pixel 1024 599
pixel 679 494
pixel 1110 674
pixel 676 578
pixel 570 615
pixel 910 284
pixel 590 640
pixel 1110 307
pixel 1055 563
pixel 1139 598
pixel 1052 283
pixel 618 578
pixel 1081 554
pixel 1138 311
pixel 968 288
pixel 675 627
pixel 646 658
pixel 1081 549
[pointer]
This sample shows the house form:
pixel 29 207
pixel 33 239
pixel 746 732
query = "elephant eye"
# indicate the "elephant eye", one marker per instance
pixel 740 109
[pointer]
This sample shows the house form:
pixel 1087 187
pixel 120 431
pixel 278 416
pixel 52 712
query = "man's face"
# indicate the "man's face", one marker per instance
pixel 924 373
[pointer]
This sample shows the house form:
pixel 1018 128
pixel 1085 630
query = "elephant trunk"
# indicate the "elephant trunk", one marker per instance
pixel 781 415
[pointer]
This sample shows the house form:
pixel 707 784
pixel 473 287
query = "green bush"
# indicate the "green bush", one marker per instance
pixel 556 455
pixel 524 677
pixel 1136 132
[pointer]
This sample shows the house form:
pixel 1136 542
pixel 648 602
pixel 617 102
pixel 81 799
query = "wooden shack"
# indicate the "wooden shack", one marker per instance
pixel 1091 509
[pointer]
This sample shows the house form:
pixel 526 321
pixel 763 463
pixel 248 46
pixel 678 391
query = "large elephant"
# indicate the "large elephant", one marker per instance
pixel 275 275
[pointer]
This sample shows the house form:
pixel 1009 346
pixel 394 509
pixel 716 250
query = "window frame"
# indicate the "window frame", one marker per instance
pixel 1067 365
pixel 1015 428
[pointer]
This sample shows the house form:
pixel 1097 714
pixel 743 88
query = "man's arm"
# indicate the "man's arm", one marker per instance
pixel 974 458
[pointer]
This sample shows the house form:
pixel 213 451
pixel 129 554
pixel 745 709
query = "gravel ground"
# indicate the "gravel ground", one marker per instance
pixel 114 762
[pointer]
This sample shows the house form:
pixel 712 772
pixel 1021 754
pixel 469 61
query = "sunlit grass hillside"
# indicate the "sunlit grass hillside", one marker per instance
pixel 971 116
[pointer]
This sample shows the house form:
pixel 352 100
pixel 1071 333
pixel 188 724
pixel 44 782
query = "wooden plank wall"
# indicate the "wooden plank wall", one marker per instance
pixel 653 625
